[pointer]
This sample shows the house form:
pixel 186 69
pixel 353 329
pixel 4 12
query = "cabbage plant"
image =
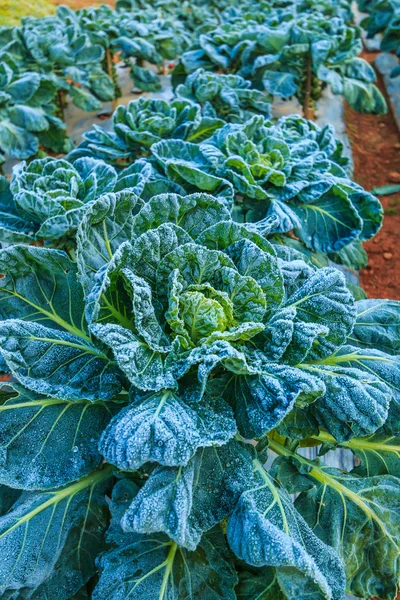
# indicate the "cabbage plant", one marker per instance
pixel 27 113
pixel 125 35
pixel 292 172
pixel 293 57
pixel 141 124
pixel 65 55
pixel 383 18
pixel 46 198
pixel 160 370
pixel 229 97
pixel 282 172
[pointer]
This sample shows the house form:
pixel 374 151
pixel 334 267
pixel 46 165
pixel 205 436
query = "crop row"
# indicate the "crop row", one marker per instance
pixel 279 49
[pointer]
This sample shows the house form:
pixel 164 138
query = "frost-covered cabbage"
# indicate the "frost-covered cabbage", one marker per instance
pixel 289 171
pixel 176 337
pixel 143 123
pixel 229 97
pixel 292 53
pixel 46 199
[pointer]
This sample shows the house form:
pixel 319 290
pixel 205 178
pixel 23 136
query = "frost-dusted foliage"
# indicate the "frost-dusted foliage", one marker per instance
pixel 141 371
pixel 227 96
pixel 66 56
pixel 46 198
pixel 27 114
pixel 143 123
pixel 283 177
pixel 289 171
pixel 168 351
pixel 290 55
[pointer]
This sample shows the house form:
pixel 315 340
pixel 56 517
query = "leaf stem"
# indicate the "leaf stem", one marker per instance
pixel 358 443
pixel 308 112
pixel 326 479
pixel 59 495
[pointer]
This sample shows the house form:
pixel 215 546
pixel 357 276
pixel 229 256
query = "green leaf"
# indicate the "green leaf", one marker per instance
pixel 57 363
pixel 365 511
pixel 101 84
pixel 353 256
pixel 186 501
pixel 153 567
pixel 193 213
pixel 262 401
pixel 376 368
pixel 252 262
pixel 162 428
pixel 49 540
pixel 142 365
pixel 370 211
pixel 390 188
pixel 29 118
pixel 186 163
pixel 205 129
pixel 152 246
pixel 360 69
pixel 44 336
pixel 333 216
pixel 378 454
pixel 144 79
pixel 47 443
pixel 364 97
pixel 324 299
pixel 40 285
pixel 195 263
pixel 258 584
pixel 203 316
pixel 280 84
pixel 223 234
pixel 377 326
pixel 23 87
pixel 83 99
pixel 16 141
pixel 266 530
pixel 355 402
pixel 107 223
pixel 16 230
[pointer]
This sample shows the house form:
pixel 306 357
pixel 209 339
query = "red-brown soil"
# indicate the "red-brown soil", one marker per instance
pixel 375 141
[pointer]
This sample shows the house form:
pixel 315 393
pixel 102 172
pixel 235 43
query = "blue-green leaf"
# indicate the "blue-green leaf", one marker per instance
pixel 266 530
pixel 46 442
pixel 57 363
pixel 162 428
pixel 49 540
pixel 186 501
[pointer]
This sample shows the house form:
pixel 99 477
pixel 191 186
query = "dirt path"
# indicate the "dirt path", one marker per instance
pixel 375 143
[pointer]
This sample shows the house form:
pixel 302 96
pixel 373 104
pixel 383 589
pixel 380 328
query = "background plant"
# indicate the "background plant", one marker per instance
pixel 27 113
pixel 296 57
pixel 229 97
pixel 285 177
pixel 384 18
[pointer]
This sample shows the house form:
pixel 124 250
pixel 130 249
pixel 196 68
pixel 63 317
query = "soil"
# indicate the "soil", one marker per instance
pixel 375 142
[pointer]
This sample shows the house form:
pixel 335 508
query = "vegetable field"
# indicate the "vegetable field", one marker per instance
pixel 200 301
